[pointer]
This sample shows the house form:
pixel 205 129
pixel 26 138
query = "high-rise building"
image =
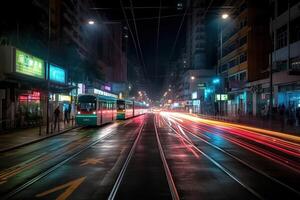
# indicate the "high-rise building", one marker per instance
pixel 196 35
pixel 243 52
pixel 284 30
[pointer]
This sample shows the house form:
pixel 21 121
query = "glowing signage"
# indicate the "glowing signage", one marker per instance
pixel 224 97
pixel 196 102
pixel 64 98
pixel 221 97
pixel 194 95
pixel 29 65
pixel 81 88
pixel 57 74
pixel 101 92
pixel 108 88
pixel 201 85
pixel 34 96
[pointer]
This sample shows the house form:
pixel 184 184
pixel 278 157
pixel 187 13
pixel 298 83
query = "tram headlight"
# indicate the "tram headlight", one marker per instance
pixel 94 112
pixel 78 112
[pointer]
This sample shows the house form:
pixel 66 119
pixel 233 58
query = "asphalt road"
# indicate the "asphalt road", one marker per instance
pixel 155 156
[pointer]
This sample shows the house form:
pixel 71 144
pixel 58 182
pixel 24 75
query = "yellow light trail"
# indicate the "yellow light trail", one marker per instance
pixel 227 124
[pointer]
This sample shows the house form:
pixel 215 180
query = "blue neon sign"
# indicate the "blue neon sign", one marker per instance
pixel 57 74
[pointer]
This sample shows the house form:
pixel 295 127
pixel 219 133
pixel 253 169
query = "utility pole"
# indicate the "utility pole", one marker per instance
pixel 48 68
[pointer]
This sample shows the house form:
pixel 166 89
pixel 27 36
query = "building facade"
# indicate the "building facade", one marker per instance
pixel 285 55
pixel 243 53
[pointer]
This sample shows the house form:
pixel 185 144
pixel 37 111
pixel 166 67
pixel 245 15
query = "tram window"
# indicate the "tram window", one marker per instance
pixel 87 106
pixel 121 106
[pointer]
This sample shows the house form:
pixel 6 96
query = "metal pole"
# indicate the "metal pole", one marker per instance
pixel 221 55
pixel 48 70
pixel 271 70
pixel 288 35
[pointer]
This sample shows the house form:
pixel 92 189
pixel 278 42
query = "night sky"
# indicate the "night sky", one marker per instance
pixel 147 32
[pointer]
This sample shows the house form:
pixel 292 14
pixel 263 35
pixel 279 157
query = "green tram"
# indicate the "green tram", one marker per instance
pixel 95 109
pixel 129 108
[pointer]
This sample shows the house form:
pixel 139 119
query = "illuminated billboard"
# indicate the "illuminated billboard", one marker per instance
pixel 29 65
pixel 57 74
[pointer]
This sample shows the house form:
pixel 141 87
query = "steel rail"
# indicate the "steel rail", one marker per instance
pixel 216 163
pixel 116 186
pixel 54 167
pixel 243 162
pixel 170 180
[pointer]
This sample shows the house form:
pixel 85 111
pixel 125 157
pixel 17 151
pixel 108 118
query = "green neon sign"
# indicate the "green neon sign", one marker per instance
pixel 57 74
pixel 29 65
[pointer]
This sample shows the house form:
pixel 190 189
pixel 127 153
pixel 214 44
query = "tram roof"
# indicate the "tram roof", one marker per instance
pixel 100 97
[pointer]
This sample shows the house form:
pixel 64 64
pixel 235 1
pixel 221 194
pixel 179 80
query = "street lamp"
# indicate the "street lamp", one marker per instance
pixel 91 22
pixel 216 81
pixel 225 16
pixel 192 77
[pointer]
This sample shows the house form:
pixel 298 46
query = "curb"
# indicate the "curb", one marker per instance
pixel 36 140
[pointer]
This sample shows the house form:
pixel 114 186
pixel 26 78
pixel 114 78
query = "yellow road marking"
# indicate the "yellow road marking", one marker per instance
pixel 70 188
pixel 91 161
pixel 14 170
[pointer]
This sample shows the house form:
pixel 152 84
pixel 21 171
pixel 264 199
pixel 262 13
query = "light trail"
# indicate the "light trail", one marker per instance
pixel 292 138
pixel 245 162
pixel 242 138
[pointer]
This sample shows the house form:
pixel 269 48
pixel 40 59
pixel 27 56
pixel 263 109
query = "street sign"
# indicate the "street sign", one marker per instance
pixel 57 74
pixel 221 97
pixel 201 85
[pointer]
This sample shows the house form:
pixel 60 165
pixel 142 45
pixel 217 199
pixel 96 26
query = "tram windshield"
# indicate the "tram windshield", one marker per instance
pixel 87 103
pixel 120 105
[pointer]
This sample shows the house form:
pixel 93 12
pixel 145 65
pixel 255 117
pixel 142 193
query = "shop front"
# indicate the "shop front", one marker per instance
pixel 29 108
pixel 237 104
pixel 63 101
pixel 289 96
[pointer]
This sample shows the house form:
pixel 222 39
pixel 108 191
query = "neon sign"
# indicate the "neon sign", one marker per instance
pixel 35 96
pixel 57 74
pixel 101 92
pixel 29 65
pixel 64 98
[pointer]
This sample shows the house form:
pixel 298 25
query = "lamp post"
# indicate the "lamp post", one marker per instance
pixel 224 16
pixel 216 81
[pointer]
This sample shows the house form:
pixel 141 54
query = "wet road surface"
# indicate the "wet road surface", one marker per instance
pixel 154 156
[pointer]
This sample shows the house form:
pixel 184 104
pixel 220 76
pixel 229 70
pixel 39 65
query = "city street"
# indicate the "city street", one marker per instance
pixel 164 155
pixel 160 99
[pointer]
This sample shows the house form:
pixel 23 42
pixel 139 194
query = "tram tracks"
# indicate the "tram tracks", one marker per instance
pixel 168 175
pixel 184 136
pixel 18 189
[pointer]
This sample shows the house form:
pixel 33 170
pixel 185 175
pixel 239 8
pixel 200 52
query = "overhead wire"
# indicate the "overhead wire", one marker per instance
pixel 133 37
pixel 157 40
pixel 137 37
pixel 178 33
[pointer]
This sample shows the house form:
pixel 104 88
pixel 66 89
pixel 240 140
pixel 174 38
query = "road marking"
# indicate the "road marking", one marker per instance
pixel 71 187
pixel 91 161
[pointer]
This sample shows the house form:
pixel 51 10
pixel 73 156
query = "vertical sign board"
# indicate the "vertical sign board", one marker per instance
pixel 57 74
pixel 29 65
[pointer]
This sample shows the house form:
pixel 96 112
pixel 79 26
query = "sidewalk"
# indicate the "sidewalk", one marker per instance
pixel 17 138
pixel 274 125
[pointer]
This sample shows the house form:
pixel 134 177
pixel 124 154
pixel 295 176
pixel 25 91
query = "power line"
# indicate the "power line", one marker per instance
pixel 132 35
pixel 178 32
pixel 137 36
pixel 157 40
